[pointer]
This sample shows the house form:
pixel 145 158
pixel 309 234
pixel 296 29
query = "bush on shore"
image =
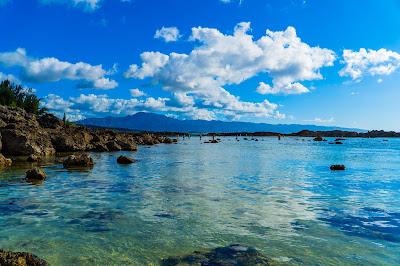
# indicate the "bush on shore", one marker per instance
pixel 17 96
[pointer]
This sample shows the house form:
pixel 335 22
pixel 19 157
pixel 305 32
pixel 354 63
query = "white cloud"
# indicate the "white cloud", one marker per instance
pixel 292 88
pixel 369 63
pixel 168 34
pixel 87 5
pixel 51 69
pixel 9 77
pixel 321 121
pixel 222 60
pixel 137 93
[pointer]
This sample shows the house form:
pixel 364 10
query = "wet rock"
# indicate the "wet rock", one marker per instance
pixel 339 139
pixel 82 160
pixel 33 158
pixel 338 142
pixel 318 138
pixel 8 258
pixel 35 174
pixel 4 162
pixel 233 255
pixel 338 167
pixel 125 160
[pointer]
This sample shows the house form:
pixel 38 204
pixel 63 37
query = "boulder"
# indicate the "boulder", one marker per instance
pixel 125 160
pixel 8 258
pixel 82 160
pixel 24 140
pixel 338 142
pixel 33 158
pixel 50 121
pixel 4 162
pixel 72 139
pixel 338 167
pixel 318 138
pixel 35 174
pixel 225 256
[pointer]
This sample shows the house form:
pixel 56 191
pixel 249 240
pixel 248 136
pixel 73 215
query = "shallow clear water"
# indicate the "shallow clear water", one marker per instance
pixel 278 196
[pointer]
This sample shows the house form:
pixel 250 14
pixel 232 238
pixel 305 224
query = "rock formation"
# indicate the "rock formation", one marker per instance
pixel 82 160
pixel 22 133
pixel 8 258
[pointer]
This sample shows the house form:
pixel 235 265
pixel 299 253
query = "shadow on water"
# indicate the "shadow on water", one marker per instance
pixel 371 223
pixel 96 221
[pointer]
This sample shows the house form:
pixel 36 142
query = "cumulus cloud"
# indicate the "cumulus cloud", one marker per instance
pixel 220 60
pixel 292 88
pixel 9 77
pixel 168 34
pixel 137 93
pixel 51 69
pixel 359 64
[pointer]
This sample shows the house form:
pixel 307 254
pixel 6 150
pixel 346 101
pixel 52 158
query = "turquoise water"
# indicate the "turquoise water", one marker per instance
pixel 278 196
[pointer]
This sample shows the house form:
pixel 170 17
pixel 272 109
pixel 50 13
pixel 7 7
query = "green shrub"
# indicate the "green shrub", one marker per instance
pixel 17 96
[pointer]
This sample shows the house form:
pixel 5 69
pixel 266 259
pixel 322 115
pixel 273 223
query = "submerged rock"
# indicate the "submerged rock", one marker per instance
pixel 33 158
pixel 35 174
pixel 8 258
pixel 4 162
pixel 125 160
pixel 233 255
pixel 82 160
pixel 338 167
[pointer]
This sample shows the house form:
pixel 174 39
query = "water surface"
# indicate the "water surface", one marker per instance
pixel 278 196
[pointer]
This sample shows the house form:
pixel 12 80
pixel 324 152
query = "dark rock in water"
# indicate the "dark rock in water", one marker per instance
pixel 338 142
pixel 8 258
pixel 35 174
pixel 125 160
pixel 339 139
pixel 331 142
pixel 214 141
pixel 4 162
pixel 318 138
pixel 338 167
pixel 233 255
pixel 174 140
pixel 82 160
pixel 33 158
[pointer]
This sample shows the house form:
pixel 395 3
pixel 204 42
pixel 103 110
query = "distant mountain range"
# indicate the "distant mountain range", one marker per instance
pixel 160 123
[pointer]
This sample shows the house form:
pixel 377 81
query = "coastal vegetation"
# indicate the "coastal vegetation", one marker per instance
pixel 15 95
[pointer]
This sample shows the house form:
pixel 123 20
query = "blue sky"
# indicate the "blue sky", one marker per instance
pixel 327 62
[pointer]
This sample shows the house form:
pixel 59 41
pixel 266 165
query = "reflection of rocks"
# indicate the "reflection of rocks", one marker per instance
pixel 81 160
pixel 125 160
pixel 226 256
pixel 35 174
pixel 4 162
pixel 8 258
pixel 26 134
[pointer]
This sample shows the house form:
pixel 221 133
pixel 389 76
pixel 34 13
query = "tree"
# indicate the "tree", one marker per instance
pixel 17 96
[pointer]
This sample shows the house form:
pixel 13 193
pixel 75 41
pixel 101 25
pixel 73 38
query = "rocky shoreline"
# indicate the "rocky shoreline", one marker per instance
pixel 25 134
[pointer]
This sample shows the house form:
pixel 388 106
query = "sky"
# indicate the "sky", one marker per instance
pixel 332 62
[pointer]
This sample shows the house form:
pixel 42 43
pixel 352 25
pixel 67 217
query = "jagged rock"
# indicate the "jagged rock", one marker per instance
pixel 25 140
pixel 33 158
pixel 50 121
pixel 35 174
pixel 233 255
pixel 82 160
pixel 4 162
pixel 72 139
pixel 125 160
pixel 8 258
pixel 338 167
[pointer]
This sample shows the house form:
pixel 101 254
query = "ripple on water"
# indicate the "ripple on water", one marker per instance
pixel 371 223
